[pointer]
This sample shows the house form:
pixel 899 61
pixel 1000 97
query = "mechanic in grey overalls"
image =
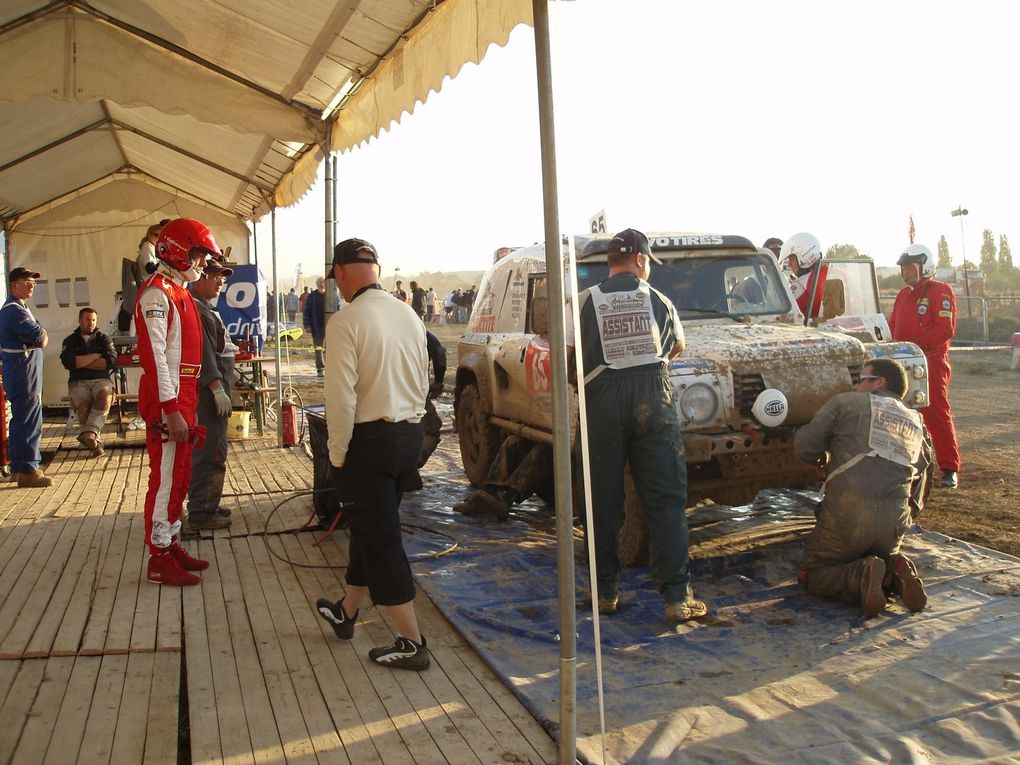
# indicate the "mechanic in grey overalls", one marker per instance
pixel 629 331
pixel 874 449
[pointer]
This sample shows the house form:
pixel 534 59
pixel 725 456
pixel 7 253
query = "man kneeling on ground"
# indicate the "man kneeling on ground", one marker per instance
pixel 872 446
pixel 90 359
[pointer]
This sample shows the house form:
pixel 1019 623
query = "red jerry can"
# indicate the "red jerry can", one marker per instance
pixel 289 410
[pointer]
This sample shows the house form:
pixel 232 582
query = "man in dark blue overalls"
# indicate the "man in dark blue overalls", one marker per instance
pixel 22 340
pixel 629 331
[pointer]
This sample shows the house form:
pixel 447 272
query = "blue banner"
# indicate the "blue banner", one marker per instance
pixel 242 304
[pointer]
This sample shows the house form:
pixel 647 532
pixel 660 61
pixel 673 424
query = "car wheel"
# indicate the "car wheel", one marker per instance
pixel 479 440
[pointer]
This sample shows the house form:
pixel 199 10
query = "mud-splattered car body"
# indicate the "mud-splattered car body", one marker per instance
pixel 744 334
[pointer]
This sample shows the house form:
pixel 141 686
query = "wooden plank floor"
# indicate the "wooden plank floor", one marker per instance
pixel 92 656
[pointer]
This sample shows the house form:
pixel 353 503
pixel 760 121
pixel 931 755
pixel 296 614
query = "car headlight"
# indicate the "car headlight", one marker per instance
pixel 698 403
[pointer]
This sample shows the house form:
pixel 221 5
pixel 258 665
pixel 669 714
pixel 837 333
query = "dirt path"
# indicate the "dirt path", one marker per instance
pixel 985 395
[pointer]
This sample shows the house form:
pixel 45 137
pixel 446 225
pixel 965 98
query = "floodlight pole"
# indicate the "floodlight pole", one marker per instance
pixel 960 212
pixel 560 392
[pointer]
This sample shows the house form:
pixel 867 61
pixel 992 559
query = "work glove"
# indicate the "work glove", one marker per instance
pixel 222 400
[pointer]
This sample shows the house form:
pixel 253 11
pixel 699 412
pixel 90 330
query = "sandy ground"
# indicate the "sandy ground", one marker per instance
pixel 985 396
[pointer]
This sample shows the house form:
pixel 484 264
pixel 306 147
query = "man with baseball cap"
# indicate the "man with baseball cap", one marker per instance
pixel 376 386
pixel 629 331
pixel 22 340
pixel 209 461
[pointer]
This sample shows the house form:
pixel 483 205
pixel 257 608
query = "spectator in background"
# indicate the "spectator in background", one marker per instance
pixel 147 260
pixel 418 300
pixel 773 245
pixel 88 356
pixel 450 306
pixel 398 292
pixel 314 318
pixel 430 305
pixel 271 302
pixel 290 305
pixel 302 299
pixel 22 340
pixel 209 462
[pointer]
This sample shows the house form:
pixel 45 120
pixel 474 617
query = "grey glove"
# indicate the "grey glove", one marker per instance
pixel 223 403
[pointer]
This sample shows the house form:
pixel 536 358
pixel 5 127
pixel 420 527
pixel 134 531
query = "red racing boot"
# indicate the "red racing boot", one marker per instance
pixel 163 568
pixel 185 560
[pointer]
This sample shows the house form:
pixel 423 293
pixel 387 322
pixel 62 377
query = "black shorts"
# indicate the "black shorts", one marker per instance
pixel 381 457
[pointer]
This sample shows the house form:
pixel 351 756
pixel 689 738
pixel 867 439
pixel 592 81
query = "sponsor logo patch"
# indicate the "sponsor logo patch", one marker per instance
pixel 946 314
pixel 945 305
pixel 922 309
pixel 155 313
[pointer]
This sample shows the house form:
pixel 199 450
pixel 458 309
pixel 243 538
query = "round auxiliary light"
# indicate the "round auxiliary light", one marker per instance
pixel 770 408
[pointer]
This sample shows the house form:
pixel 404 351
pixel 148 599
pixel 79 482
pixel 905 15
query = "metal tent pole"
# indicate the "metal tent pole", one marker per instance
pixel 560 392
pixel 276 329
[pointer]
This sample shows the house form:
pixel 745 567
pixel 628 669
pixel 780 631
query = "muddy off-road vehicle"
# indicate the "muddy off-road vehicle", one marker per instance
pixel 746 339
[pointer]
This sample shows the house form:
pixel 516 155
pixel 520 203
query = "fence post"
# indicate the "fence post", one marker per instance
pixel 984 319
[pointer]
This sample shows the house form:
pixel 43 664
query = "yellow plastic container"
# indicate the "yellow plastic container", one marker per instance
pixel 239 425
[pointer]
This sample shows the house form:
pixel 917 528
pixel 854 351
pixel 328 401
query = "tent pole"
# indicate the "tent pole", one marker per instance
pixel 276 329
pixel 560 392
pixel 329 179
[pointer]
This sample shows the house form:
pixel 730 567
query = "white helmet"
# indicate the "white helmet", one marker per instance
pixel 805 247
pixel 918 253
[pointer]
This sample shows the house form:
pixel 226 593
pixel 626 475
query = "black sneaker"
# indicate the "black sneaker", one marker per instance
pixel 333 613
pixel 403 654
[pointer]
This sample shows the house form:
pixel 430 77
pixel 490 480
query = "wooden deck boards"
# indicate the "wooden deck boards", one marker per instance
pixel 92 655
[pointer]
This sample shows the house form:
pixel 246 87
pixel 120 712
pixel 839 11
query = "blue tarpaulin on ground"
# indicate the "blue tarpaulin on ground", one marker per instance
pixel 772 675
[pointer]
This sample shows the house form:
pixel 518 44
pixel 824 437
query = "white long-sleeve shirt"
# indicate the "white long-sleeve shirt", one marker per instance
pixel 376 367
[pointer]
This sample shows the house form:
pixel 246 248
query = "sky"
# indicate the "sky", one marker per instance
pixel 751 118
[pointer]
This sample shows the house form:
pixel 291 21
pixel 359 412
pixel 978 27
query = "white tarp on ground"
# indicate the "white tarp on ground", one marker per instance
pixel 78 247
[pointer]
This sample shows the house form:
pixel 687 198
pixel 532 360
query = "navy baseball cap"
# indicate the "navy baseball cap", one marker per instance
pixel 214 268
pixel 21 273
pixel 354 251
pixel 630 241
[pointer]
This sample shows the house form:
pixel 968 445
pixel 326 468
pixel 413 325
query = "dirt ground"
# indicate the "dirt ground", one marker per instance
pixel 985 395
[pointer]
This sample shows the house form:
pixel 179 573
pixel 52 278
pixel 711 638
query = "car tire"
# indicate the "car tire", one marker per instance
pixel 479 440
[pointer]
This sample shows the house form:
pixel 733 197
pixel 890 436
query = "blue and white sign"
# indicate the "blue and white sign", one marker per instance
pixel 242 304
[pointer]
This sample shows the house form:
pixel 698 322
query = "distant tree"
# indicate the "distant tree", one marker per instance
pixel 945 261
pixel 989 263
pixel 1005 256
pixel 847 251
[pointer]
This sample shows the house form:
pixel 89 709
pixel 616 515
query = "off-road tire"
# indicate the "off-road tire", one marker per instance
pixel 479 440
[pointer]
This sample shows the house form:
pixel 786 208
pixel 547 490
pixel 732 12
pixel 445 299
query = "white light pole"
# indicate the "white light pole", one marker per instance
pixel 396 273
pixel 959 212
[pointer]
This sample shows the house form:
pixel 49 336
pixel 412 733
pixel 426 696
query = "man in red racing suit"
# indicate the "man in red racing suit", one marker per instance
pixel 925 314
pixel 170 352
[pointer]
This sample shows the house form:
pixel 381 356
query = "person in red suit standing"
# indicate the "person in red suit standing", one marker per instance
pixel 802 255
pixel 170 353
pixel 925 314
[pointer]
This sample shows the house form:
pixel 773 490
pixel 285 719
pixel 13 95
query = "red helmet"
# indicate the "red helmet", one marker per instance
pixel 179 238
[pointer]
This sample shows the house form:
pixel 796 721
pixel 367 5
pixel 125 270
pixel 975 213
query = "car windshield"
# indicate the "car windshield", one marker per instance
pixel 700 287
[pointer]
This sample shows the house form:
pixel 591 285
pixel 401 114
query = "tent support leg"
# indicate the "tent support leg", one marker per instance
pixel 560 392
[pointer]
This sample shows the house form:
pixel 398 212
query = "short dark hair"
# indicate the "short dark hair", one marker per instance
pixel 892 371
pixel 85 310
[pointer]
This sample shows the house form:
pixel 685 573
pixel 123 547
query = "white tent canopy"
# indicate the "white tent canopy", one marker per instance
pixel 125 112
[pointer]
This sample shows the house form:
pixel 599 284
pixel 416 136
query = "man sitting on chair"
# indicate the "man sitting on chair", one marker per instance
pixel 88 355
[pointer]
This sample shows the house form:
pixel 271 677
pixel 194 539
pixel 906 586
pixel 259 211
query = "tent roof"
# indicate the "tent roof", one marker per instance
pixel 225 101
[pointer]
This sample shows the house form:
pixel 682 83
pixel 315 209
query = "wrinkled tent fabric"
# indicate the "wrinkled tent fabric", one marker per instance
pixel 201 109
pixel 246 93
